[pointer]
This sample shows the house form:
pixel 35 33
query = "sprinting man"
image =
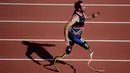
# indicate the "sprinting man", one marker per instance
pixel 74 28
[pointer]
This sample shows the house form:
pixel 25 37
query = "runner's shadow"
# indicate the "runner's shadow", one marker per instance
pixel 43 54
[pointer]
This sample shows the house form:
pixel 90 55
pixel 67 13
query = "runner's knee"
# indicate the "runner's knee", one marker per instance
pixel 68 49
pixel 85 45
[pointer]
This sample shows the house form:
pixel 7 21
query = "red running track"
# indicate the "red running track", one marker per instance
pixel 116 51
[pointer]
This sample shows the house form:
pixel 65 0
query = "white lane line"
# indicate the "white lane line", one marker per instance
pixel 31 21
pixel 43 4
pixel 62 40
pixel 25 21
pixel 96 60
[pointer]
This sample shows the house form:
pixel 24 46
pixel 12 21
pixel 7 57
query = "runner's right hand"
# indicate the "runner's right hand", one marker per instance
pixel 67 40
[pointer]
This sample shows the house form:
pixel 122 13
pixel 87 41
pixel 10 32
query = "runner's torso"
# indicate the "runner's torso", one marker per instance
pixel 78 27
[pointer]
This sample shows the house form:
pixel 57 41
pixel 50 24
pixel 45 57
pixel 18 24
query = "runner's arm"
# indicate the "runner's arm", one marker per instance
pixel 68 25
pixel 91 16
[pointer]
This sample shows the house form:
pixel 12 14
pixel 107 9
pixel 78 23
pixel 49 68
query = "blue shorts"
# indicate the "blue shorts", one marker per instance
pixel 76 39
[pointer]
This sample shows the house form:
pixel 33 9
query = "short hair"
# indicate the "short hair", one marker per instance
pixel 77 5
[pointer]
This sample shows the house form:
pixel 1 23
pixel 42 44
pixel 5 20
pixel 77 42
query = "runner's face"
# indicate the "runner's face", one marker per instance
pixel 83 6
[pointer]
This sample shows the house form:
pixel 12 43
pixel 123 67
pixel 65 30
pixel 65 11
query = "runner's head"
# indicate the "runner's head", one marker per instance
pixel 79 6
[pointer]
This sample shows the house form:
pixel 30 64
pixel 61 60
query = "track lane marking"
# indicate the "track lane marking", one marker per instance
pixel 46 4
pixel 62 40
pixel 34 21
pixel 96 60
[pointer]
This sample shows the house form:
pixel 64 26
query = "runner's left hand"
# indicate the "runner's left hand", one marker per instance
pixel 96 14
